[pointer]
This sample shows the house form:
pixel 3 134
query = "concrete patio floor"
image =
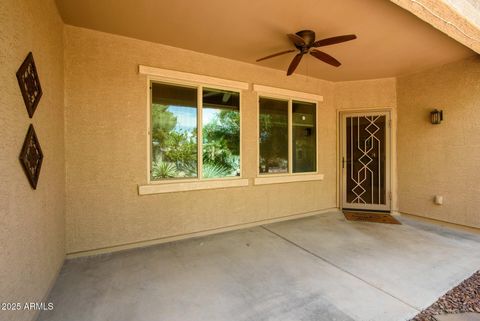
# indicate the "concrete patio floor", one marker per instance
pixel 317 268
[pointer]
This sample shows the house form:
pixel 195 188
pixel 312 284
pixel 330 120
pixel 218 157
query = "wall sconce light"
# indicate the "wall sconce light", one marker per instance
pixel 436 116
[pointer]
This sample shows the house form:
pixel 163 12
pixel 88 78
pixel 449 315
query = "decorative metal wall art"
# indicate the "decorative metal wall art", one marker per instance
pixel 31 157
pixel 29 83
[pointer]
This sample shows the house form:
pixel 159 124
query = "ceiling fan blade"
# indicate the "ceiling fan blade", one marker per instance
pixel 296 39
pixel 276 54
pixel 294 64
pixel 333 40
pixel 325 58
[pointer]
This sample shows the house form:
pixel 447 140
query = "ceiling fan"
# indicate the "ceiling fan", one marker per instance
pixel 304 41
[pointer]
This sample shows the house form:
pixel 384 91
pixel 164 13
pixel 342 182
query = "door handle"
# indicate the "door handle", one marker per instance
pixel 343 162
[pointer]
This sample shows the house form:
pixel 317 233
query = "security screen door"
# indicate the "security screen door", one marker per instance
pixel 365 161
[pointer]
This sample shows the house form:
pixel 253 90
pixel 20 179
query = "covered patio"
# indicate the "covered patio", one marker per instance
pixel 320 268
pixel 228 160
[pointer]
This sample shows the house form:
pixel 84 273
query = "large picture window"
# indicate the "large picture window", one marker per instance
pixel 287 136
pixel 190 121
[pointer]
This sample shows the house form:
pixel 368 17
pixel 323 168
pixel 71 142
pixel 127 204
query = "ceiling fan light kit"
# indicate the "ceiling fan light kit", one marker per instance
pixel 304 41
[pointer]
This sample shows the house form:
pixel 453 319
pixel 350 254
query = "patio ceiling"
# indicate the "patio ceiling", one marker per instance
pixel 391 41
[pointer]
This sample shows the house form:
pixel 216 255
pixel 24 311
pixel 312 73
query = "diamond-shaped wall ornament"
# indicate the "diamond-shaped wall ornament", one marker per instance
pixel 31 157
pixel 29 83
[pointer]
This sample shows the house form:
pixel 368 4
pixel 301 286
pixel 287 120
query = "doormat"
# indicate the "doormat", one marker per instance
pixel 370 217
pixel 463 298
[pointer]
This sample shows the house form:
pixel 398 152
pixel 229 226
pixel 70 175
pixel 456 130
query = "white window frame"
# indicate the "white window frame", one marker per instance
pixel 199 82
pixel 289 96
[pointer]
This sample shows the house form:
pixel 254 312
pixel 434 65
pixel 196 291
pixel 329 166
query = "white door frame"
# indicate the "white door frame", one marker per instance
pixel 388 161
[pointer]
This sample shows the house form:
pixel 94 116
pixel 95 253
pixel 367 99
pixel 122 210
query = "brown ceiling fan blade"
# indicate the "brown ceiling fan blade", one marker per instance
pixel 294 64
pixel 276 54
pixel 333 40
pixel 296 39
pixel 325 58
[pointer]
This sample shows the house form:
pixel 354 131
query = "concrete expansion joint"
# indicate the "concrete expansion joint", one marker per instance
pixel 339 267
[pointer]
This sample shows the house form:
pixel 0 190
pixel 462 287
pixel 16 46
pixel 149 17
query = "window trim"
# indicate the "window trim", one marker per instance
pixel 154 75
pixel 287 93
pixel 278 179
pixel 186 77
pixel 185 186
pixel 290 96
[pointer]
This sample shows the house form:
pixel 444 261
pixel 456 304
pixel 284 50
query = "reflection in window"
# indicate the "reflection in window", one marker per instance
pixel 174 131
pixel 273 136
pixel 304 137
pixel 220 133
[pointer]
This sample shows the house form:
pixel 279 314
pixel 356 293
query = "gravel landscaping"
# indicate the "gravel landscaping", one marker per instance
pixel 463 298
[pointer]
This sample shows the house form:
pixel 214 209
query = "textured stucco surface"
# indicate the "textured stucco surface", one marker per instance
pixel 31 222
pixel 376 93
pixel 106 153
pixel 456 18
pixel 440 159
pixel 470 9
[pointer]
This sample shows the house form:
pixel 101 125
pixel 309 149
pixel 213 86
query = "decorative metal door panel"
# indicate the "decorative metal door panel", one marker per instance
pixel 365 161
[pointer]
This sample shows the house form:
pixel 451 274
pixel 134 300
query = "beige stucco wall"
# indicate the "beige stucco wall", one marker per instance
pixel 374 93
pixel 31 222
pixel 106 154
pixel 440 159
pixel 458 19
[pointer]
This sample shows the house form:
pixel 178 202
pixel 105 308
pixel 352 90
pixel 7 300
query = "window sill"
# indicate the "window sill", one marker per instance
pixel 190 186
pixel 264 180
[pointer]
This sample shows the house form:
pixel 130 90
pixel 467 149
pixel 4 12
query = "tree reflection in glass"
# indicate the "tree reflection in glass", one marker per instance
pixel 220 133
pixel 174 132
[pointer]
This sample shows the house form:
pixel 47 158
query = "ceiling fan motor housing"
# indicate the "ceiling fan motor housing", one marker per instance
pixel 308 36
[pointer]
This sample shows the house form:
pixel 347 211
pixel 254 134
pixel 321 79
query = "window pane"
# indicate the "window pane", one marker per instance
pixel 174 131
pixel 304 137
pixel 221 133
pixel 273 136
